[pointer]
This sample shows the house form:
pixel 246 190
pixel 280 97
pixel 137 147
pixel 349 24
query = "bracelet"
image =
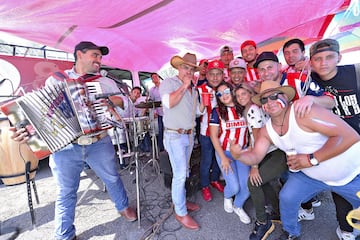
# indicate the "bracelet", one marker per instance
pixel 255 166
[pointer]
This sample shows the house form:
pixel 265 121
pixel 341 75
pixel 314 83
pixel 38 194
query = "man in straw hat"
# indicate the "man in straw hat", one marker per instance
pixel 269 69
pixel 180 105
pixel 323 148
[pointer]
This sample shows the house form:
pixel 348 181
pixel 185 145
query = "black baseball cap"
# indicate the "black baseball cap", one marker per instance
pixel 89 45
pixel 265 56
pixel 324 45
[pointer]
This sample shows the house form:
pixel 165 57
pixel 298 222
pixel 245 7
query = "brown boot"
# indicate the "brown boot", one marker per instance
pixel 129 214
pixel 188 222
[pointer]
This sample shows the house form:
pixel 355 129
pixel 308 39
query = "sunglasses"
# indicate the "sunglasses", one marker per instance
pixel 273 97
pixel 226 91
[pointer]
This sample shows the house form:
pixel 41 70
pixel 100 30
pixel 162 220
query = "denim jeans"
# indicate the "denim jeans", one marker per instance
pixel 209 169
pixel 236 181
pixel 145 143
pixel 300 188
pixel 179 148
pixel 66 166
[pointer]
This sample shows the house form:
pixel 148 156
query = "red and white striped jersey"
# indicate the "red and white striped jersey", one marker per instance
pixel 251 74
pixel 204 123
pixel 235 127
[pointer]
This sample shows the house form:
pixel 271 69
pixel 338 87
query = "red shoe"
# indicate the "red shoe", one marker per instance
pixel 187 222
pixel 129 214
pixel 206 194
pixel 192 207
pixel 218 186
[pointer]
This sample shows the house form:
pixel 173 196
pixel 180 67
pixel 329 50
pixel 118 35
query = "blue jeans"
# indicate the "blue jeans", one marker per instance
pixel 209 169
pixel 145 144
pixel 179 148
pixel 236 181
pixel 160 138
pixel 66 166
pixel 300 188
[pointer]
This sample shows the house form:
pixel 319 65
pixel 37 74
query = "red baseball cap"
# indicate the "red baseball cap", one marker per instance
pixel 246 43
pixel 202 61
pixel 216 64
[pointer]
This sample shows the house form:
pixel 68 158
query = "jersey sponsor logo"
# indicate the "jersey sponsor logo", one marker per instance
pixel 238 123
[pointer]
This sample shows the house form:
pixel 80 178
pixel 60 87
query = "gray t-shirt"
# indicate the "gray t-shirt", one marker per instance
pixel 183 114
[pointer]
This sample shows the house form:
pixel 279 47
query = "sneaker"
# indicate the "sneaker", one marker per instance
pixel 344 235
pixel 262 231
pixel 206 194
pixel 228 205
pixel 218 186
pixel 316 203
pixel 306 214
pixel 287 236
pixel 242 215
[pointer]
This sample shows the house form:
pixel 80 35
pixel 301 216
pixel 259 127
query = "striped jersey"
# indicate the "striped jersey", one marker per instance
pixel 234 127
pixel 204 120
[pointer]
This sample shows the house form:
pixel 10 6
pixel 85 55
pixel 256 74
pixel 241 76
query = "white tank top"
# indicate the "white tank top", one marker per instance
pixel 336 171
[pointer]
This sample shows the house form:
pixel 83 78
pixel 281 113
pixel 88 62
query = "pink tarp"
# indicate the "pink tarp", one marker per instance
pixel 144 34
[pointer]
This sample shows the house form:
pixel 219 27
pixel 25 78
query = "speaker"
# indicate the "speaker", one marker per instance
pixel 192 182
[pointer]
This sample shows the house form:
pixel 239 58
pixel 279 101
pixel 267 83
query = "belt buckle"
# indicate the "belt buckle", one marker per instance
pixel 182 131
pixel 84 140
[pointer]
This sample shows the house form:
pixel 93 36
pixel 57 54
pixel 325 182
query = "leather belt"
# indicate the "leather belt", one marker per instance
pixel 180 130
pixel 87 140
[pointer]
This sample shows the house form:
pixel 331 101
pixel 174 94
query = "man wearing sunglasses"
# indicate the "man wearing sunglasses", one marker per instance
pixel 269 69
pixel 324 148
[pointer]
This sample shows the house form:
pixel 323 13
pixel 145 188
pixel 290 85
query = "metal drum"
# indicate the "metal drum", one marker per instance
pixel 121 135
pixel 141 125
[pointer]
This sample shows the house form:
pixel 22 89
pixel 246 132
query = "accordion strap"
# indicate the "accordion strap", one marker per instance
pixel 62 76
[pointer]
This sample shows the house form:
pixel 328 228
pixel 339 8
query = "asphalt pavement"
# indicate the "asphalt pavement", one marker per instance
pixel 97 218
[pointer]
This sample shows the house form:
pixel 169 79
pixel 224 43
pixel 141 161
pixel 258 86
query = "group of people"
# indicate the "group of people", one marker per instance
pixel 258 111
pixel 265 122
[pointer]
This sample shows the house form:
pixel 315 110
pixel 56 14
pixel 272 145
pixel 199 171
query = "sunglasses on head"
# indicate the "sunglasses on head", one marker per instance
pixel 226 91
pixel 274 96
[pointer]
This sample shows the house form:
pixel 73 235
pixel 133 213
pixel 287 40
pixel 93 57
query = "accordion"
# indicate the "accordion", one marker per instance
pixel 56 115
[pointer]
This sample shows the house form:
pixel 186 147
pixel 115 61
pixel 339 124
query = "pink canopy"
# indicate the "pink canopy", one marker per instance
pixel 145 34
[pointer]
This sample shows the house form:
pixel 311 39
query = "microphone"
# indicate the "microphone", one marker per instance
pixel 105 73
pixel 118 81
pixel 106 95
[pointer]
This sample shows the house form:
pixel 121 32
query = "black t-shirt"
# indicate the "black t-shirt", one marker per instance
pixel 344 87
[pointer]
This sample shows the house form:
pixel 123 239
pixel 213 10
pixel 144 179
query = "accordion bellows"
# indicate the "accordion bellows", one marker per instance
pixel 56 115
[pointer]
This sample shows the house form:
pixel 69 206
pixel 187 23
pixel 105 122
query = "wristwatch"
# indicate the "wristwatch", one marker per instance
pixel 313 161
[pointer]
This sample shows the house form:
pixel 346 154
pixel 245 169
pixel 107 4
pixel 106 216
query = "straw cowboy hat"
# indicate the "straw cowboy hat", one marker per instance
pixel 272 86
pixel 188 59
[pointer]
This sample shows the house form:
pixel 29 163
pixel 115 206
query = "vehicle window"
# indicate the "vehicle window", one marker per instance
pixel 122 77
pixel 146 82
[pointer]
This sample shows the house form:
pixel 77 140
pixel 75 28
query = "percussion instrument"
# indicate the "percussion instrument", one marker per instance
pixel 121 135
pixel 149 104
pixel 142 125
pixel 14 157
pixel 59 114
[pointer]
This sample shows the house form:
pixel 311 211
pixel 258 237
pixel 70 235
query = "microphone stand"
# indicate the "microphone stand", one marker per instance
pixel 136 148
